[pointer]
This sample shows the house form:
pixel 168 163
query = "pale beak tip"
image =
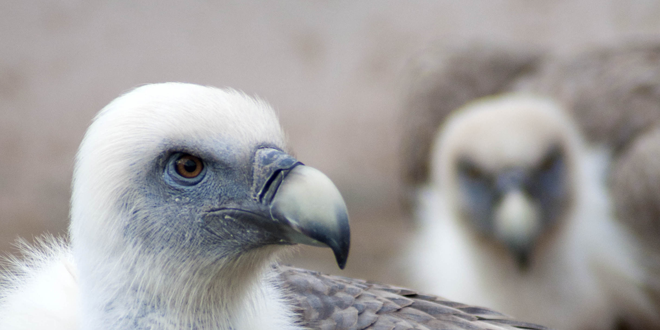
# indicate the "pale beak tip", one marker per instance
pixel 312 205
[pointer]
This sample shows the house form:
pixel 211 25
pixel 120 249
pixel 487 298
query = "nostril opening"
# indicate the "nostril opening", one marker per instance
pixel 274 181
pixel 511 180
pixel 272 185
pixel 270 168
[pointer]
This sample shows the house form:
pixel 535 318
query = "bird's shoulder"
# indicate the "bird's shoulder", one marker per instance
pixel 39 290
pixel 334 302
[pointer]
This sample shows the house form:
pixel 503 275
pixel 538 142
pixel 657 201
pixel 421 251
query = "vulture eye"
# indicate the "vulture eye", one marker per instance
pixel 189 166
pixel 550 160
pixel 470 170
pixel 185 169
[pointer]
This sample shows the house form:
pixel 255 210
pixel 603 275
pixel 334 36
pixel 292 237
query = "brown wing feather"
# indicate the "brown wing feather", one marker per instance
pixel 333 302
pixel 613 92
pixel 635 182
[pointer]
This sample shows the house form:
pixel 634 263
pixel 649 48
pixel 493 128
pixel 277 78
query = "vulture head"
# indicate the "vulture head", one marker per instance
pixel 507 165
pixel 182 195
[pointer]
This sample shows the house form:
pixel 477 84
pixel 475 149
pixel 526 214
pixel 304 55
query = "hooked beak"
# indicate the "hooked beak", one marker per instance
pixel 310 204
pixel 294 203
pixel 517 218
pixel 517 223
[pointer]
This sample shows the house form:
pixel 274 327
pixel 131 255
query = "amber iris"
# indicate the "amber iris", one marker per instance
pixel 189 166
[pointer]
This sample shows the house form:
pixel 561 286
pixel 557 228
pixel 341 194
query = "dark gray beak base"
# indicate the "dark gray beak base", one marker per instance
pixel 296 203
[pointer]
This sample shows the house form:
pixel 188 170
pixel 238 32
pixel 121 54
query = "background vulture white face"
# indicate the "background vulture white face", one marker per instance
pixel 508 165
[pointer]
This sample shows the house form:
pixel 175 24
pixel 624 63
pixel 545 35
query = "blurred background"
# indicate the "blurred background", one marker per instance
pixel 332 69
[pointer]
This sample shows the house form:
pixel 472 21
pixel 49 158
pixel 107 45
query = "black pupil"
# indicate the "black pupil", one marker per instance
pixel 189 165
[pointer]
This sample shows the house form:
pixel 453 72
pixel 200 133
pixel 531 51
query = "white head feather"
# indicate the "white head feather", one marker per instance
pixel 135 127
pixel 117 276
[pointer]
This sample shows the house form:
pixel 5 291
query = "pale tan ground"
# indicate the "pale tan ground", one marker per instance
pixel 331 68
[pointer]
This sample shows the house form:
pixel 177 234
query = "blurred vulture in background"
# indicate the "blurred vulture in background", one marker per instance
pixel 534 182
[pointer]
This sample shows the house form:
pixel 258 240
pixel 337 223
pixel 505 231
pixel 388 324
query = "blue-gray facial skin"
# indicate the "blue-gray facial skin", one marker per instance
pixel 170 211
pixel 549 186
pixel 209 205
pixel 545 184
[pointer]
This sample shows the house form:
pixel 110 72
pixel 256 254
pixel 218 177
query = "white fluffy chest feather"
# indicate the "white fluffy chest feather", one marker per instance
pixel 47 296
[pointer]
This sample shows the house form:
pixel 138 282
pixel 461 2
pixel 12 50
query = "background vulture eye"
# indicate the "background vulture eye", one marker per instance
pixel 470 170
pixel 189 166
